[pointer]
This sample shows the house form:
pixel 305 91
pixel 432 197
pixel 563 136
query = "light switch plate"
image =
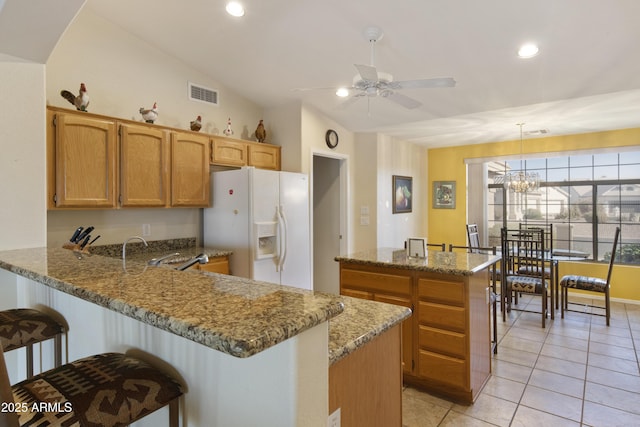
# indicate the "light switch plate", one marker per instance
pixel 334 419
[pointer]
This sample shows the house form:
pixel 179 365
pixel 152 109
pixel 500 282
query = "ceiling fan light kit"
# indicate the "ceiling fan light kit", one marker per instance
pixel 372 83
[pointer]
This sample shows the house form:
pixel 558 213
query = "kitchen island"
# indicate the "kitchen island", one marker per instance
pixel 250 353
pixel 446 344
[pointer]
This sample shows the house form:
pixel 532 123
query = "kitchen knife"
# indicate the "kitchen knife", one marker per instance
pixel 76 234
pixel 86 240
pixel 91 242
pixel 84 234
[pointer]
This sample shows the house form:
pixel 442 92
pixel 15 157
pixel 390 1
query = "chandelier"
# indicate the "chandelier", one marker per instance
pixel 521 181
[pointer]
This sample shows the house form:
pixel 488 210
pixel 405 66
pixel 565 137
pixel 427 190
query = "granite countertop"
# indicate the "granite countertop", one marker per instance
pixel 455 263
pixel 237 316
pixel 361 322
pixel 136 251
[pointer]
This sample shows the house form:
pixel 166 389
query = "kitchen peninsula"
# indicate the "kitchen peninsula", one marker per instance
pixel 446 344
pixel 250 353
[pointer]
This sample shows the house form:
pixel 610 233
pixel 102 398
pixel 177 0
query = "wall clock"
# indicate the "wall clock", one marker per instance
pixel 331 138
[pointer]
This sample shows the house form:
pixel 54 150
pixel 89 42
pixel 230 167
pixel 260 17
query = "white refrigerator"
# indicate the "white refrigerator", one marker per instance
pixel 263 217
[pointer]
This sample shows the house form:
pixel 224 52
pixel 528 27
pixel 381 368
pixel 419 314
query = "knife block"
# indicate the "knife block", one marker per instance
pixel 76 247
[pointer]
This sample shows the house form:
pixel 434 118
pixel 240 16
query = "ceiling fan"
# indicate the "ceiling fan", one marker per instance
pixel 370 82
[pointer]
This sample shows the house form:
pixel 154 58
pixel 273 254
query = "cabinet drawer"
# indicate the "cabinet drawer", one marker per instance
pixel 356 293
pixel 440 341
pixel 444 369
pixel 442 316
pixel 376 282
pixel 441 291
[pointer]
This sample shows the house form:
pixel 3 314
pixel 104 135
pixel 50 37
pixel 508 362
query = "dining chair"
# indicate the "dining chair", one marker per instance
pixel 590 284
pixel 440 246
pixel 473 235
pixel 550 271
pixel 110 389
pixel 523 266
pixel 493 277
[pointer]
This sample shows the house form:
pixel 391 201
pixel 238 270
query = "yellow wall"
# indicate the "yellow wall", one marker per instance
pixel 448 164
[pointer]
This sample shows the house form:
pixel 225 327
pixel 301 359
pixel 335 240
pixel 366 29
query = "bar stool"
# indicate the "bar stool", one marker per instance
pixel 110 389
pixel 24 327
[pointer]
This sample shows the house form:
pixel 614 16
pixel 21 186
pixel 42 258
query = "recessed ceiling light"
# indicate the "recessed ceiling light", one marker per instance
pixel 234 8
pixel 528 50
pixel 342 92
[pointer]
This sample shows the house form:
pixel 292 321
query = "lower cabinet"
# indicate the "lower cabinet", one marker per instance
pixel 446 343
pixel 216 265
pixel 365 399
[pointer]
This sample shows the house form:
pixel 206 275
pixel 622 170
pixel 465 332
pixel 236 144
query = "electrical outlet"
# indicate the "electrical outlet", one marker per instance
pixel 146 230
pixel 334 419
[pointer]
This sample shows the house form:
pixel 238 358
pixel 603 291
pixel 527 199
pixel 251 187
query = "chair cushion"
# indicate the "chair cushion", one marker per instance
pixel 585 283
pixel 526 284
pixel 108 389
pixel 528 269
pixel 24 326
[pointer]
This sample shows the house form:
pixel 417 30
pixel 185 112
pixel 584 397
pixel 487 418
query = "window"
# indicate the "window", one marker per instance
pixel 584 196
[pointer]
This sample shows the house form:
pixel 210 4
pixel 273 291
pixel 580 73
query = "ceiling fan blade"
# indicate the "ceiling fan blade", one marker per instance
pixel 403 100
pixel 425 83
pixel 367 72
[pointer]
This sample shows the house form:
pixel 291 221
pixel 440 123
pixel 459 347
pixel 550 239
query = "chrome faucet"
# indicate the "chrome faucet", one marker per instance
pixel 158 261
pixel 202 259
pixel 124 245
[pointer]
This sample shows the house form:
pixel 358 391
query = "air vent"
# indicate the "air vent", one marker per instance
pixel 203 94
pixel 537 132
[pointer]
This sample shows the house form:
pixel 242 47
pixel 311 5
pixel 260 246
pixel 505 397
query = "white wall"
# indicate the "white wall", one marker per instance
pixel 22 163
pixel 365 196
pixel 122 74
pixel 406 159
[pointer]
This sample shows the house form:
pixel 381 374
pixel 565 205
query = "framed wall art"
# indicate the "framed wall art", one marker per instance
pixel 444 194
pixel 402 195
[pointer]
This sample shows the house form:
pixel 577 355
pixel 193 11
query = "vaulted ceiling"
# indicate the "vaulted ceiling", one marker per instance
pixel 585 78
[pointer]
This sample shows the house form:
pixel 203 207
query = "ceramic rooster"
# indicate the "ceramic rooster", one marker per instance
pixel 150 115
pixel 81 101
pixel 228 131
pixel 196 124
pixel 261 133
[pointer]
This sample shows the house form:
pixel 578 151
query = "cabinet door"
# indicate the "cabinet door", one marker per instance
pixel 144 166
pixel 264 156
pixel 216 265
pixel 85 161
pixel 228 153
pixel 189 169
pixel 407 329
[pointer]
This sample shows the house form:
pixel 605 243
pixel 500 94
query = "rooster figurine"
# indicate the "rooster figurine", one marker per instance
pixel 261 133
pixel 81 101
pixel 228 131
pixel 150 115
pixel 196 124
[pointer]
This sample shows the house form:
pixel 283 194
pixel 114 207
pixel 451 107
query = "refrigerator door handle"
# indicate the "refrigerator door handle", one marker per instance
pixel 280 238
pixel 283 255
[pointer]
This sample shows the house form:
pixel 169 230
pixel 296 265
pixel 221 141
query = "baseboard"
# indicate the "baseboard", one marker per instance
pixel 601 298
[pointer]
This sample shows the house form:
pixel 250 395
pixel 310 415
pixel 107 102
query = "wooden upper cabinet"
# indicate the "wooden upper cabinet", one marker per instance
pixel 189 169
pixel 264 156
pixel 238 153
pixel 84 156
pixel 144 166
pixel 228 153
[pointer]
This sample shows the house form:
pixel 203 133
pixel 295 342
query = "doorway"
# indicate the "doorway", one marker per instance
pixel 329 220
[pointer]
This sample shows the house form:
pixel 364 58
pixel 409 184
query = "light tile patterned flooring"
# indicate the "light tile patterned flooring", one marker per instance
pixel 575 372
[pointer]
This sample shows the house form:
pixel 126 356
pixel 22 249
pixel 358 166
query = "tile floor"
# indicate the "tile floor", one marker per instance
pixel 575 372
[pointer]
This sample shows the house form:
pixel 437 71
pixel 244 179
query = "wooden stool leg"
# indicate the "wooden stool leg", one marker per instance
pixel 174 412
pixel 57 357
pixel 29 349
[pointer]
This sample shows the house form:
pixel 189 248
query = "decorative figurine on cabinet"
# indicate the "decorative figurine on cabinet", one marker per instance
pixel 261 133
pixel 150 115
pixel 81 102
pixel 196 124
pixel 228 131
